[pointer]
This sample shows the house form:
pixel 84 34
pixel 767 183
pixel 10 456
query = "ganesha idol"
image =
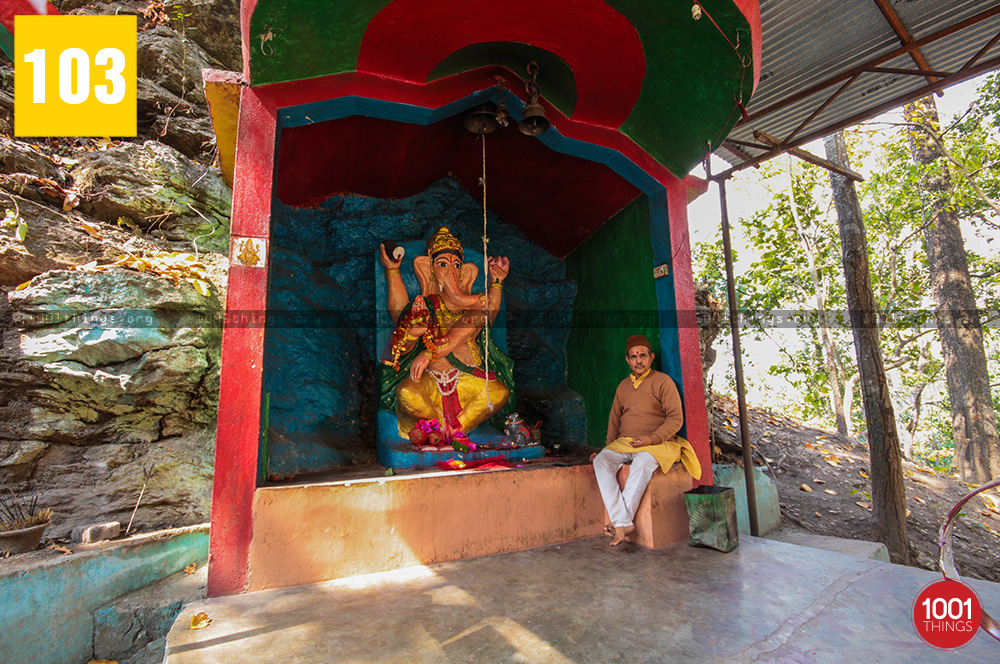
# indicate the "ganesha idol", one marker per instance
pixel 440 364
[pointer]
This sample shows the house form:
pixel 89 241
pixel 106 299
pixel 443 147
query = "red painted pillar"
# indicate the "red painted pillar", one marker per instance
pixel 687 327
pixel 238 429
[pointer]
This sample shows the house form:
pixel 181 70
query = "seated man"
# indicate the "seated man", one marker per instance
pixel 645 418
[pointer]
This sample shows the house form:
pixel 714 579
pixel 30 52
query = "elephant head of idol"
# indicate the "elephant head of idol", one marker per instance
pixel 443 272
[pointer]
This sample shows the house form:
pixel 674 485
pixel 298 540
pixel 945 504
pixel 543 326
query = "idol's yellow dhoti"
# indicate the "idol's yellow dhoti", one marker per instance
pixel 666 453
pixel 421 400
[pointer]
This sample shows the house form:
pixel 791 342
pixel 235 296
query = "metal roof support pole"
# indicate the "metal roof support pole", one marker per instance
pixel 741 394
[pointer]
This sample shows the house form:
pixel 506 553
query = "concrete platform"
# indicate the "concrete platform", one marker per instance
pixel 317 532
pixel 583 603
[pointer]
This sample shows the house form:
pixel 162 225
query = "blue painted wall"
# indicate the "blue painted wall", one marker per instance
pixel 47 610
pixel 319 366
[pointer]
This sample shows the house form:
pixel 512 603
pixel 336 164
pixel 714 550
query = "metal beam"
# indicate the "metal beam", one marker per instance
pixel 810 157
pixel 911 72
pixel 822 107
pixel 923 91
pixel 741 394
pixel 904 35
pixel 983 51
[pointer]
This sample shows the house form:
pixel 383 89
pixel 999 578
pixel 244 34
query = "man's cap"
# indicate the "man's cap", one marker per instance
pixel 637 340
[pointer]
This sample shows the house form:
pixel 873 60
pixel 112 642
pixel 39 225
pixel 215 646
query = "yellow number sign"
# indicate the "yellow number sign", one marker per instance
pixel 74 76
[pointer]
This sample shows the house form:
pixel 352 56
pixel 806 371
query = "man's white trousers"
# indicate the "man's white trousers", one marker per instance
pixel 621 505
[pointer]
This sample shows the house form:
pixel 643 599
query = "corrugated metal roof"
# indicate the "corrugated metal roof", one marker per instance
pixel 810 42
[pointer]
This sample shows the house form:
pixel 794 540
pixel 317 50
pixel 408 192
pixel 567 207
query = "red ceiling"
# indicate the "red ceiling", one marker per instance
pixel 556 200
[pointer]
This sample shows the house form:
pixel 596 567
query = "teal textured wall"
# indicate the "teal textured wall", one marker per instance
pixel 47 609
pixel 320 358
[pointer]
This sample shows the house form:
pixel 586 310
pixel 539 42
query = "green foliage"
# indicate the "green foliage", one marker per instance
pixel 796 264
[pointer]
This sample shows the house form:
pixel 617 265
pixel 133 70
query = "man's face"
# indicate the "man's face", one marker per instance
pixel 640 359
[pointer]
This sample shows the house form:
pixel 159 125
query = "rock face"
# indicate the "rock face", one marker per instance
pixel 110 379
pixel 159 190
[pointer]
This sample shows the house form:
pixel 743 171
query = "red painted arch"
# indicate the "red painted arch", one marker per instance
pixel 408 38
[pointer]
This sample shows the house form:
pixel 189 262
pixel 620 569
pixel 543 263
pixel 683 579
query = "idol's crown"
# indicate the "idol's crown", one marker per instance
pixel 443 240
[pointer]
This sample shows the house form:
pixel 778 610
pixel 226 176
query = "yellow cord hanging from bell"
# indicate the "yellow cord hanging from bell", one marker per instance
pixel 486 283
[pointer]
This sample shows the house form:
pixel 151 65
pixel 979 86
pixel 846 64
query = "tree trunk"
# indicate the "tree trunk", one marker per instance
pixel 888 492
pixel 977 448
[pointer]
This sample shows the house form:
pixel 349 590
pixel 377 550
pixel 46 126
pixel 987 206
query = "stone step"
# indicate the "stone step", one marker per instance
pixel 134 628
pixel 857 548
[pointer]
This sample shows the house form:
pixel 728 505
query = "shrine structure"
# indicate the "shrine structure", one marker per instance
pixel 351 132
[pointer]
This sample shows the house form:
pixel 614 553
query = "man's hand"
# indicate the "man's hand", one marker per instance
pixel 642 441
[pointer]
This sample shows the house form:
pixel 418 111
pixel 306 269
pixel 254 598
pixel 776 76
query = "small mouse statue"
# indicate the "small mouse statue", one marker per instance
pixel 518 433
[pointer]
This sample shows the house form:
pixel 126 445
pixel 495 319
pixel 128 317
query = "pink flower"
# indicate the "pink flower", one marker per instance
pixel 429 426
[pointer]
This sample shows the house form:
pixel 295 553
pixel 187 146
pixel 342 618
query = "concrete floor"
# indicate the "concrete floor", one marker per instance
pixel 583 602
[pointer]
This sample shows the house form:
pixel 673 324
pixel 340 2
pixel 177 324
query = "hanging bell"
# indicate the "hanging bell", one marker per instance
pixel 533 122
pixel 502 115
pixel 481 121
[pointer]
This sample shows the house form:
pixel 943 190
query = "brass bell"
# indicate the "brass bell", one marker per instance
pixel 533 122
pixel 481 121
pixel 502 115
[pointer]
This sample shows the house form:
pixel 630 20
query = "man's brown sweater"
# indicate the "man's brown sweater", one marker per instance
pixel 653 409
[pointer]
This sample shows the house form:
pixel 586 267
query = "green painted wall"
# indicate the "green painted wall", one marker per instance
pixel 692 72
pixel 615 298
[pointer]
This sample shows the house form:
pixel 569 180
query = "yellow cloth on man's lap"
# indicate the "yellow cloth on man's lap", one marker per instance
pixel 666 453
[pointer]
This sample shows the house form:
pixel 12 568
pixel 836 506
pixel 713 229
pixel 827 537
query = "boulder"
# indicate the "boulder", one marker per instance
pixel 19 458
pixel 164 117
pixel 18 157
pixel 103 482
pixel 191 136
pixel 57 240
pixel 214 25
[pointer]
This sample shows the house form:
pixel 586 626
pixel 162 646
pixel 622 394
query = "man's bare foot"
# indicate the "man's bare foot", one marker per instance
pixel 621 534
pixel 609 530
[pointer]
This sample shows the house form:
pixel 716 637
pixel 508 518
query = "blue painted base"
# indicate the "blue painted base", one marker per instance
pixel 394 452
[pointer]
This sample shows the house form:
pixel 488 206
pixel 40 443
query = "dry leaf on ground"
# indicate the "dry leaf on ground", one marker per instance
pixel 200 620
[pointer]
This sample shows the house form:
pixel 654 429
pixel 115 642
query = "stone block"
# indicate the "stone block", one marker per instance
pixel 96 533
